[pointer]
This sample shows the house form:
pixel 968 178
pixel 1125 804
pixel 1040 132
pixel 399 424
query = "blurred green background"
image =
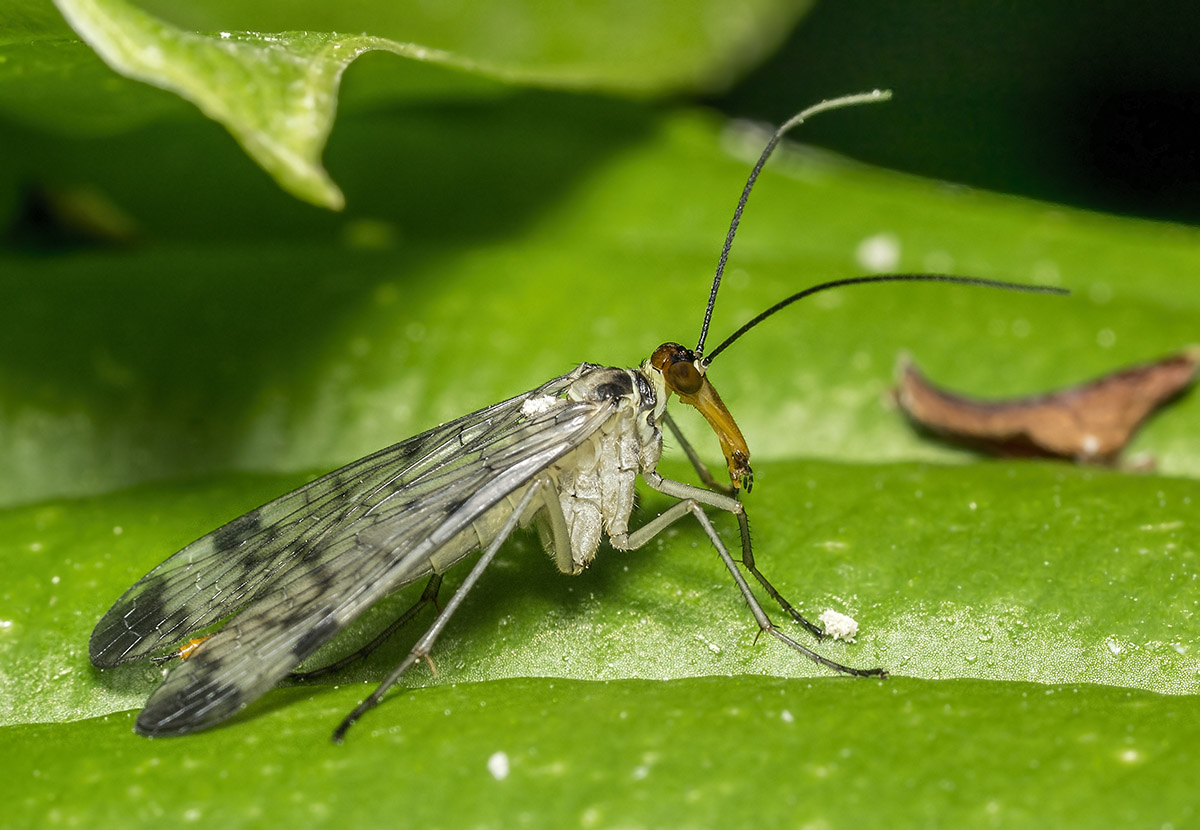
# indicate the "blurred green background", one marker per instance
pixel 1092 104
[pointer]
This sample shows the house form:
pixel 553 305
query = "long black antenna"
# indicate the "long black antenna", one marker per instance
pixel 836 103
pixel 799 295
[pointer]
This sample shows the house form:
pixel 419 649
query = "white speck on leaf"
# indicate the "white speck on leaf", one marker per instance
pixel 878 253
pixel 497 765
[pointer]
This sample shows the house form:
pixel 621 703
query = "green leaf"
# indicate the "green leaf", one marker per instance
pixel 630 47
pixel 275 88
pixel 1000 572
pixel 256 334
pixel 706 752
pixel 277 93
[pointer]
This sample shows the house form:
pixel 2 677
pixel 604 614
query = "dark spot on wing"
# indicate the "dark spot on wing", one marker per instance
pixel 190 709
pixel 256 557
pixel 237 531
pixel 315 637
pixel 125 625
pixel 108 646
pixel 148 609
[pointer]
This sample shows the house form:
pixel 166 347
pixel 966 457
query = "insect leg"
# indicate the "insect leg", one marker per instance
pixel 730 504
pixel 691 500
pixel 428 596
pixel 706 476
pixel 748 562
pixel 425 644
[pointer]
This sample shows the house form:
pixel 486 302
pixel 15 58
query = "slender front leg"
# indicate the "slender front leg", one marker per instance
pixel 692 504
pixel 723 488
pixel 748 562
pixel 730 504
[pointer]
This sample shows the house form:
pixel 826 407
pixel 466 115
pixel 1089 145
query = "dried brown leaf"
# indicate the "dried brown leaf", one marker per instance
pixel 1090 423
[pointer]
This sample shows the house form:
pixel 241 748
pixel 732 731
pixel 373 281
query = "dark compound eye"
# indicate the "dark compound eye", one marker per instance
pixel 678 367
pixel 683 378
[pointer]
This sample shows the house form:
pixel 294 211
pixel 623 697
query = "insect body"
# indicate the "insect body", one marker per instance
pixel 289 576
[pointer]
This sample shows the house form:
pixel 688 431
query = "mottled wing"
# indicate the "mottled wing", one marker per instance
pixel 384 549
pixel 229 568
